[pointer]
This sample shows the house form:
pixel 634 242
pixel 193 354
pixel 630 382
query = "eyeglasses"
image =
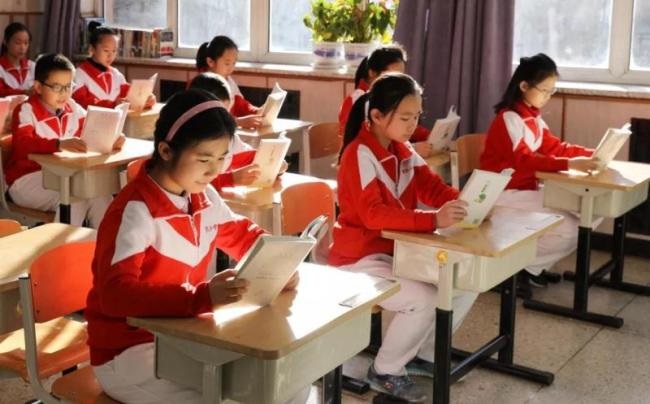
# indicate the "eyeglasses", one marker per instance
pixel 547 92
pixel 59 88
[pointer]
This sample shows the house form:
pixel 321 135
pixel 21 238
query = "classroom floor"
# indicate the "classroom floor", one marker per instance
pixel 592 364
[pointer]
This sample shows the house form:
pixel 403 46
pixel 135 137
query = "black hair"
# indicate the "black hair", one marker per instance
pixel 378 61
pixel 533 70
pixel 212 83
pixel 10 31
pixel 385 94
pixel 210 124
pixel 51 62
pixel 213 49
pixel 97 32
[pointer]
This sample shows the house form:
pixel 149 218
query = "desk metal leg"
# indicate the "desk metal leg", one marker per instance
pixel 580 290
pixel 332 383
pixel 64 202
pixel 442 379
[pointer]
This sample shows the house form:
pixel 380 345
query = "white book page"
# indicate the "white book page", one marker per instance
pixel 124 110
pixel 100 129
pixel 610 144
pixel 271 108
pixel 269 157
pixel 139 92
pixel 269 264
pixel 443 131
pixel 481 193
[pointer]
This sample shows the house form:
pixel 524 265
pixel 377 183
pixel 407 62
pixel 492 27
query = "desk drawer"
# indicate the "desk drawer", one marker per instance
pixel 140 127
pixel 87 184
pixel 610 204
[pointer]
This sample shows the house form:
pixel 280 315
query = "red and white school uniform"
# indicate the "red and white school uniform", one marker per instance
pixel 379 189
pixel 240 106
pixel 519 139
pixel 420 135
pixel 15 79
pixel 37 129
pixel 240 154
pixel 96 84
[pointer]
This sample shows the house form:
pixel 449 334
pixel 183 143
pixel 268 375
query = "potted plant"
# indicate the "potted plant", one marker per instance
pixel 365 23
pixel 325 24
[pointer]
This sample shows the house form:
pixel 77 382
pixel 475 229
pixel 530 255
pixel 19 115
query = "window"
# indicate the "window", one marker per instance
pixel 199 21
pixel 590 40
pixel 288 33
pixel 134 13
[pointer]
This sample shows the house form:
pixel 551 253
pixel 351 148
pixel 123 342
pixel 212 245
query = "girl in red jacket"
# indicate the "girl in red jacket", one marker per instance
pixel 390 58
pixel 16 70
pixel 518 138
pixel 220 56
pixel 97 82
pixel 154 246
pixel 380 182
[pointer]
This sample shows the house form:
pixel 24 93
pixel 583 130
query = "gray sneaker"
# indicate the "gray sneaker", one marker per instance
pixel 399 386
pixel 420 367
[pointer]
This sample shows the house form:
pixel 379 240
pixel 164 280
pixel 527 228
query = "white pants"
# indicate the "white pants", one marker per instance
pixel 28 191
pixel 412 330
pixel 130 378
pixel 556 243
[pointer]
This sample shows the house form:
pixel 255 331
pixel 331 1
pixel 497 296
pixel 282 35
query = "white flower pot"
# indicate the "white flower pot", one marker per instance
pixel 355 52
pixel 327 54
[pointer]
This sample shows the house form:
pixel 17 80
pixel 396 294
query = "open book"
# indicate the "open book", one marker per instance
pixel 611 143
pixel 139 92
pixel 481 193
pixel 269 157
pixel 272 106
pixel 103 126
pixel 4 111
pixel 270 262
pixel 443 130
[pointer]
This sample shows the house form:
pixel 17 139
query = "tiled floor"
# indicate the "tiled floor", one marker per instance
pixel 592 364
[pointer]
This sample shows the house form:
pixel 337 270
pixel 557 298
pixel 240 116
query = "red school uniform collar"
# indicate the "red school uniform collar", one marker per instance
pixel 7 65
pixel 526 111
pixel 98 66
pixel 395 149
pixel 41 111
pixel 159 203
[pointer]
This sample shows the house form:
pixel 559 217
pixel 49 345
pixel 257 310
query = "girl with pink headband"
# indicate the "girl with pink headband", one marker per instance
pixel 154 246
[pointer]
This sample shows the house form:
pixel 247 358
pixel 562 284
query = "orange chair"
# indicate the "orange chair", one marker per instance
pixel 57 286
pixel 133 168
pixel 24 215
pixel 324 146
pixel 9 226
pixel 466 157
pixel 296 214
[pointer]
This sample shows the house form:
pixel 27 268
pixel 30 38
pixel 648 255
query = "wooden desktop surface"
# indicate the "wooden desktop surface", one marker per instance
pixel 294 318
pixel 497 235
pixel 619 175
pixel 19 250
pixel 133 149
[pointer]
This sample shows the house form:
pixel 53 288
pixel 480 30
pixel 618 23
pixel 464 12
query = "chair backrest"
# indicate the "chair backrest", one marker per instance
pixel 324 140
pixel 60 280
pixel 6 143
pixel 5 149
pixel 302 203
pixel 133 168
pixel 9 226
pixel 468 151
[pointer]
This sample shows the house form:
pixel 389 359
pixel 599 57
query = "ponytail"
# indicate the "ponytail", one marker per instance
pixel 355 120
pixel 533 70
pixel 213 50
pixel 201 54
pixel 361 73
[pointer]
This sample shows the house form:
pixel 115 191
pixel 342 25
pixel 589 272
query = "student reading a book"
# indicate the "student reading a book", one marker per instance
pixel 220 56
pixel 380 182
pixel 49 121
pixel 518 138
pixel 154 247
pixel 391 58
pixel 97 82
pixel 238 167
pixel 16 70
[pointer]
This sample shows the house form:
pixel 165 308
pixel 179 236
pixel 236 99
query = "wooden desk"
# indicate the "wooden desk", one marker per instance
pixel 440 163
pixel 86 176
pixel 491 254
pixel 266 355
pixel 297 131
pixel 611 193
pixel 263 205
pixel 18 251
pixel 142 124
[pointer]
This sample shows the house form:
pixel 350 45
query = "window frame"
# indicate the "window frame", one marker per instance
pixel 260 36
pixel 620 52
